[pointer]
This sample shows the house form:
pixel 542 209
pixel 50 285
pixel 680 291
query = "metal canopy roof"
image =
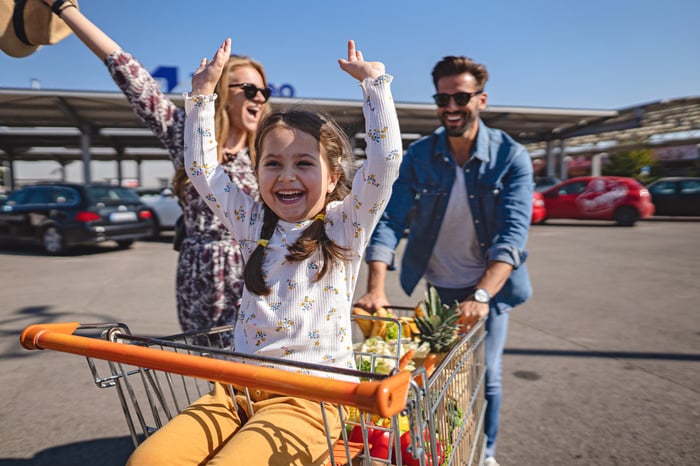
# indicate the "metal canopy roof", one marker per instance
pixel 658 124
pixel 47 125
pixel 50 124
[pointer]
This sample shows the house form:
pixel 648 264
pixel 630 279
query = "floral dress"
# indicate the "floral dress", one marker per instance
pixel 209 280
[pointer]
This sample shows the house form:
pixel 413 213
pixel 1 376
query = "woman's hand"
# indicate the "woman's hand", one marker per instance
pixel 357 67
pixel 207 75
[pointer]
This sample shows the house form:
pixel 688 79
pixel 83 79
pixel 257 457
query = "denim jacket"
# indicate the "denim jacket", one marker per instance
pixel 499 179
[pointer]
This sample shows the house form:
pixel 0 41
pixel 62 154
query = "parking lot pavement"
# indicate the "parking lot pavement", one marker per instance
pixel 601 365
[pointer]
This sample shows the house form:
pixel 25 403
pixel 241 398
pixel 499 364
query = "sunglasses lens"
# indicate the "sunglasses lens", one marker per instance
pixel 462 98
pixel 251 92
pixel 441 100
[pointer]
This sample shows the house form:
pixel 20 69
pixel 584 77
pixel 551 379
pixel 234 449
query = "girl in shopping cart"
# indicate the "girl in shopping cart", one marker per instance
pixel 303 245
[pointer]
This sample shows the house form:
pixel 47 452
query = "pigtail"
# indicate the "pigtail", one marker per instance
pixel 253 272
pixel 314 237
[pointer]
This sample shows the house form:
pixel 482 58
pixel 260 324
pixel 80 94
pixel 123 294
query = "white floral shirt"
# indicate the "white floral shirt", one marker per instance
pixel 300 319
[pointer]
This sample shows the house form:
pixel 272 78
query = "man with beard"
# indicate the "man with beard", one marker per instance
pixel 465 195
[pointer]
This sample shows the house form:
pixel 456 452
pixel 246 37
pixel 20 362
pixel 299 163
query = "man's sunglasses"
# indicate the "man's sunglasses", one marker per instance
pixel 461 98
pixel 251 91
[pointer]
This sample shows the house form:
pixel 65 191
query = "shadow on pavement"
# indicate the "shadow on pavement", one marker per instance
pixel 664 218
pixel 18 249
pixel 28 249
pixel 101 452
pixel 605 354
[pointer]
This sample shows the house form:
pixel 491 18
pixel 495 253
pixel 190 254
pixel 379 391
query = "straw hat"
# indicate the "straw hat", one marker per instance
pixel 26 25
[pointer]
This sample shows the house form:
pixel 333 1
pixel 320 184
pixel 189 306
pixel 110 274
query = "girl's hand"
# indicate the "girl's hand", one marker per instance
pixel 207 75
pixel 357 67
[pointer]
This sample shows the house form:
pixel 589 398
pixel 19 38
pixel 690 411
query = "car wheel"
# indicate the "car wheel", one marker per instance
pixel 125 244
pixel 156 227
pixel 53 241
pixel 626 216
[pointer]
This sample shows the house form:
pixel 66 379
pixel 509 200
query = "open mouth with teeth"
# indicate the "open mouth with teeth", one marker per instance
pixel 289 196
pixel 455 117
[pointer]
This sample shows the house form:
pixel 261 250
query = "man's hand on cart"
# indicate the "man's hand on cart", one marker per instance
pixel 472 312
pixel 373 300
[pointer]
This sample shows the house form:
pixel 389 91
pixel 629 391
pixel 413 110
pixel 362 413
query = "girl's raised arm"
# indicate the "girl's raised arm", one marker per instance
pixel 357 67
pixel 207 75
pixel 371 187
pixel 228 202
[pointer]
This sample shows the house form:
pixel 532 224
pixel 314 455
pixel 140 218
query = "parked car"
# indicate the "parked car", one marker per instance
pixel 621 199
pixel 539 212
pixel 61 215
pixel 676 196
pixel 165 205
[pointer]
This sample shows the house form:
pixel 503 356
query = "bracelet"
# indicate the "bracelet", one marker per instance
pixel 59 5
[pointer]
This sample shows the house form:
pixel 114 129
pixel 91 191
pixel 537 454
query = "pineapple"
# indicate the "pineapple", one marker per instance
pixel 437 322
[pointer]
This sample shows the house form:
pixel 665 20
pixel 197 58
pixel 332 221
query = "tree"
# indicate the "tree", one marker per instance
pixel 630 164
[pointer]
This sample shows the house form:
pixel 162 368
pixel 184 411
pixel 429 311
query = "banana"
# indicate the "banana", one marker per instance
pixel 364 324
pixel 379 326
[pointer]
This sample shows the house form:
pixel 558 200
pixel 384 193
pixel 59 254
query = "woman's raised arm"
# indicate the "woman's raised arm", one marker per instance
pixel 95 38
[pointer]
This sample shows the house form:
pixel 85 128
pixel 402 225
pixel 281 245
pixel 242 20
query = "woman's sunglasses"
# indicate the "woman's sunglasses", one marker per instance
pixel 461 98
pixel 251 91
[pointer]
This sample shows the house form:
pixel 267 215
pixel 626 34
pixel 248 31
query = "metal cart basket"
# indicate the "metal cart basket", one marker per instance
pixel 424 420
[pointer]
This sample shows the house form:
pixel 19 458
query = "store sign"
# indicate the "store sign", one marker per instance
pixel 676 153
pixel 168 77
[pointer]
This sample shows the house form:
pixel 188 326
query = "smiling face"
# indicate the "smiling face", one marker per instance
pixel 461 120
pixel 293 173
pixel 243 113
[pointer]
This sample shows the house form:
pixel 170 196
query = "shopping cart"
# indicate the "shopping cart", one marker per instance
pixel 404 418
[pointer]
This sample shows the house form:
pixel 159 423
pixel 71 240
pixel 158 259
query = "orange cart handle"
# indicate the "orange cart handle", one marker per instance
pixel 385 398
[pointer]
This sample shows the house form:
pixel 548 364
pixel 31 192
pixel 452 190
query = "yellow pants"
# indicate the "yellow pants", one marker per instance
pixel 282 431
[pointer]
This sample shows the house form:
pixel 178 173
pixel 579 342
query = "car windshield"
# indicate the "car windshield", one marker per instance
pixel 110 195
pixel 148 192
pixel 544 182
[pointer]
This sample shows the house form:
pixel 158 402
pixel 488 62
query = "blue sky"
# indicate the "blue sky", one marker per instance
pixel 594 54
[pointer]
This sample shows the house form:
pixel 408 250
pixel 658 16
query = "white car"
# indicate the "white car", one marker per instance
pixel 165 206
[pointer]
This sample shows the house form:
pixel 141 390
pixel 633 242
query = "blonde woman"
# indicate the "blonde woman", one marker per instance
pixel 209 280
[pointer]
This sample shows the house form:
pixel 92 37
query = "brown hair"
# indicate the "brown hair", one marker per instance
pixel 221 118
pixel 336 148
pixel 452 66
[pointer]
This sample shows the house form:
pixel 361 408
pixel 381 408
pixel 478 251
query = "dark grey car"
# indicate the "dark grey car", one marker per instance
pixel 676 196
pixel 60 215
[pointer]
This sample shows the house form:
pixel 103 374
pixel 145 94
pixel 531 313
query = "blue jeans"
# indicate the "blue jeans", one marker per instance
pixel 496 331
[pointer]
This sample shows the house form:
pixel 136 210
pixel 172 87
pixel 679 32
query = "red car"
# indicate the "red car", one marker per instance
pixel 539 212
pixel 621 199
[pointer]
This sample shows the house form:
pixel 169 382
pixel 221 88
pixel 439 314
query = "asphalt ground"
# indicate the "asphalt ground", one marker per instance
pixel 601 365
